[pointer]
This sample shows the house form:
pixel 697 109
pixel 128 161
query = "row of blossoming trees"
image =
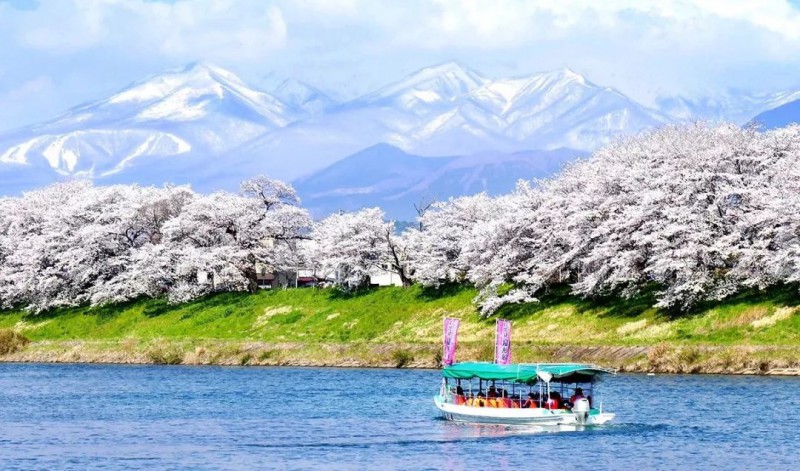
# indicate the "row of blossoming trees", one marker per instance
pixel 700 212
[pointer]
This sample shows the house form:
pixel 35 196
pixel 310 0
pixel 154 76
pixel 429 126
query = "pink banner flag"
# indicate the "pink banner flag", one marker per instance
pixel 502 346
pixel 450 340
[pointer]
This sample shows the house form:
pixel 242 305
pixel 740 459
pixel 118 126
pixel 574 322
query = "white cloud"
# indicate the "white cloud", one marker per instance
pixel 644 48
pixel 38 86
pixel 37 92
pixel 244 29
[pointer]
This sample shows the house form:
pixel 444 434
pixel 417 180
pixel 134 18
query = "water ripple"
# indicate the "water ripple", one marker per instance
pixel 130 417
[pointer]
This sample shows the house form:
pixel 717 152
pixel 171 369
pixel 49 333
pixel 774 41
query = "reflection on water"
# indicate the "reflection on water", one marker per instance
pixel 128 417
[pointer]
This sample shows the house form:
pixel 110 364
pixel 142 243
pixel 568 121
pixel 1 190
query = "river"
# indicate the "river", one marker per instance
pixel 176 417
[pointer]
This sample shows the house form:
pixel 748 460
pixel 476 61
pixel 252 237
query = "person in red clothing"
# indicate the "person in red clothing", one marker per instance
pixel 578 395
pixel 554 402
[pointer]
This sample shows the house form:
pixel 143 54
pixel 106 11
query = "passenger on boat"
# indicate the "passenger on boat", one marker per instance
pixel 492 402
pixel 492 393
pixel 578 395
pixel 479 401
pixel 532 402
pixel 460 398
pixel 505 401
pixel 554 402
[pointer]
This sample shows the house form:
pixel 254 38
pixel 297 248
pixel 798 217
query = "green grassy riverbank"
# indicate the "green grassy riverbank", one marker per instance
pixel 751 333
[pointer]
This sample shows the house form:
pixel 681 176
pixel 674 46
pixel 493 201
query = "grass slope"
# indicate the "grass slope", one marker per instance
pixel 319 323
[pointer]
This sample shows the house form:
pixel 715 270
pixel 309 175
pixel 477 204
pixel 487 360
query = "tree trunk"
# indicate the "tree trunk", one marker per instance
pixel 403 278
pixel 252 277
pixel 398 265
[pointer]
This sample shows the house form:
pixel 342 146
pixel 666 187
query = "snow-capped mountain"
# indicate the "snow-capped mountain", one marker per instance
pixel 302 96
pixel 203 125
pixel 450 109
pixel 735 106
pixel 182 115
pixel 425 90
pixel 190 94
pixel 783 115
pixel 562 109
pixel 395 180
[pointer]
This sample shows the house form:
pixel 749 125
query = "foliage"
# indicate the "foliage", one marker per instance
pixel 402 358
pixel 11 341
pixel 352 246
pixel 396 316
pixel 164 353
pixel 72 243
pixel 702 212
pixel 675 218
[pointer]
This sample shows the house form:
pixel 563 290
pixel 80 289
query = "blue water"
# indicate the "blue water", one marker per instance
pixel 172 417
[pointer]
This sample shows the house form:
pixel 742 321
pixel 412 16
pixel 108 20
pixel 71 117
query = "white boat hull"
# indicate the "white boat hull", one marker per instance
pixel 514 416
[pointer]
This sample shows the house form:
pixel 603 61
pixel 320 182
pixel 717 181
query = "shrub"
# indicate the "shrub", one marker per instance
pixel 689 356
pixel 402 358
pixel 11 341
pixel 267 354
pixel 658 355
pixel 161 354
pixel 437 358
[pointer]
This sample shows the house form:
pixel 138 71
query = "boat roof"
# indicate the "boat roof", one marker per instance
pixel 526 372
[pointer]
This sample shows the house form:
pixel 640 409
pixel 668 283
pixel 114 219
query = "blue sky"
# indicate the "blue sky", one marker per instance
pixel 55 54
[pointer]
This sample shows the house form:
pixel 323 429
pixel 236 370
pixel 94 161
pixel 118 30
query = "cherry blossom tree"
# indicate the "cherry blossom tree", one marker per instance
pixel 230 235
pixel 700 211
pixel 351 246
pixel 73 243
pixel 436 248
pixel 695 212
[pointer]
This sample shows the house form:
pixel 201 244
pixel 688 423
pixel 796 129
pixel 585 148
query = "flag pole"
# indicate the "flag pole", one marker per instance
pixel 496 323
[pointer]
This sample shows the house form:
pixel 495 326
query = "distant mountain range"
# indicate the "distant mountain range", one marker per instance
pixel 203 125
pixel 386 176
pixel 781 116
pixel 735 107
pixel 451 110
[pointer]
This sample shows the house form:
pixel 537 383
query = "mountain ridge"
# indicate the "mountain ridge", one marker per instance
pixel 386 176
pixel 203 125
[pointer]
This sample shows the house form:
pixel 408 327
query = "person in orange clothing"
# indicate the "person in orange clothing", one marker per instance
pixel 460 398
pixel 505 400
pixel 479 401
pixel 532 402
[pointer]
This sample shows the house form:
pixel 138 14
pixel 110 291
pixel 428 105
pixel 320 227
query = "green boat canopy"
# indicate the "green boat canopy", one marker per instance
pixel 527 373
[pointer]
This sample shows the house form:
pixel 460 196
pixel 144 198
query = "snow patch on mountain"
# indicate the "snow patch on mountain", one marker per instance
pixel 202 124
pixel 418 92
pixel 302 96
pixel 734 106
pixel 96 153
pixel 783 115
